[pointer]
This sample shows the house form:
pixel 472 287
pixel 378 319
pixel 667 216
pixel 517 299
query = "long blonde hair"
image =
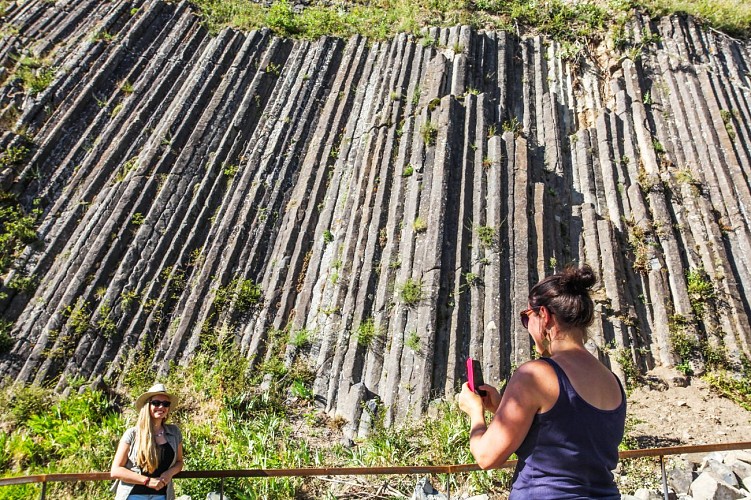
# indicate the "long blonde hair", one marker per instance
pixel 147 456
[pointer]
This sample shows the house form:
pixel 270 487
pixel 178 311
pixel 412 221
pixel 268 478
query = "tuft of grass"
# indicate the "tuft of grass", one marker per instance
pixel 419 225
pixel 700 290
pixel 429 133
pixel 411 292
pixel 413 341
pixel 35 74
pixel 488 236
pixel 17 229
pixel 367 332
pixel 244 293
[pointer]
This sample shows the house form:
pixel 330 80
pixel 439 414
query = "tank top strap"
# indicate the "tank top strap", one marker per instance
pixel 564 384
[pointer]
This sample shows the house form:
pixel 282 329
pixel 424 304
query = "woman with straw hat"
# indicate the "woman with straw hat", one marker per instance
pixel 150 453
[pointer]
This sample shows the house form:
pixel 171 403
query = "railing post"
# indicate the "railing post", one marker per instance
pixel 44 489
pixel 448 486
pixel 664 477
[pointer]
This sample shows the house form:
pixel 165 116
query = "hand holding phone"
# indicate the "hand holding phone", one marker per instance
pixel 474 377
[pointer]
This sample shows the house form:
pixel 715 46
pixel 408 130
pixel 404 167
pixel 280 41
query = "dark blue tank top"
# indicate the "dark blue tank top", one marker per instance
pixel 571 450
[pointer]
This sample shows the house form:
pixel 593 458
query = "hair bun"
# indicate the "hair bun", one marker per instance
pixel 578 279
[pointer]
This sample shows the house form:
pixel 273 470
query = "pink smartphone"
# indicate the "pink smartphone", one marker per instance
pixel 474 376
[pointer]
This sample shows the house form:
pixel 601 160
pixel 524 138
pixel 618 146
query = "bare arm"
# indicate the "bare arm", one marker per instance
pixel 119 471
pixel 524 396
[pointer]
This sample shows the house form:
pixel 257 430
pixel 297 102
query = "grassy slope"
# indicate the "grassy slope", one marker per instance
pixel 380 19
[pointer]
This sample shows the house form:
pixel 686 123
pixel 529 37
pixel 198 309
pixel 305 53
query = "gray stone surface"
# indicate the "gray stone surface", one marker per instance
pixel 709 487
pixel 172 165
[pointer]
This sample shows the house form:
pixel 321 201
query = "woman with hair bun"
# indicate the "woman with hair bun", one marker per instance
pixel 563 414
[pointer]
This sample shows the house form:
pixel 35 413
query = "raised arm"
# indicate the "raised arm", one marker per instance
pixel 527 392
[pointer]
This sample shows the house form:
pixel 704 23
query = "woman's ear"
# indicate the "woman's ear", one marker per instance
pixel 547 317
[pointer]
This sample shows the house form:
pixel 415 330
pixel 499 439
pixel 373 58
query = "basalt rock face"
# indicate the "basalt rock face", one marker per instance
pixel 394 201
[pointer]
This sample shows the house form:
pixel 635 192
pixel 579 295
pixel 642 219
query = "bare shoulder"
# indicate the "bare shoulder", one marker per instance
pixel 537 373
pixel 538 378
pixel 536 369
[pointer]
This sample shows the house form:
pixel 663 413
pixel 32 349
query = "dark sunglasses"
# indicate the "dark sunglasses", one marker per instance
pixel 157 403
pixel 524 315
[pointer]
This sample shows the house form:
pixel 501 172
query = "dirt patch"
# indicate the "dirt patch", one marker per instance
pixel 661 413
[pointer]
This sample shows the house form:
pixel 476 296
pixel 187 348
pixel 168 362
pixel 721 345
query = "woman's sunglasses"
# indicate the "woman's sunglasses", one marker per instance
pixel 157 403
pixel 524 315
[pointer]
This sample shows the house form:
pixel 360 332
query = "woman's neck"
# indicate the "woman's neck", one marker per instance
pixel 566 341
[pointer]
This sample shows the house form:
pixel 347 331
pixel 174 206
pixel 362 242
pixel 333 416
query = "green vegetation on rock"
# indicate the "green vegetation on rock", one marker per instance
pixel 575 23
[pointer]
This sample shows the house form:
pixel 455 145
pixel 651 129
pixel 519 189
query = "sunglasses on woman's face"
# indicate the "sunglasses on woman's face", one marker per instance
pixel 524 315
pixel 156 403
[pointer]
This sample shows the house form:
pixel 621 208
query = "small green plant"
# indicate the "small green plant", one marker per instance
pixel 487 162
pixel 230 170
pixel 23 284
pixel 395 95
pixel 411 292
pixel 488 236
pixel 657 146
pixel 13 155
pixel 727 120
pixel 472 279
pixel 104 36
pixel 419 225
pixel 245 294
pixel 416 93
pixel 6 341
pixel 300 338
pixel 367 332
pixel 106 324
pixel 35 74
pixel 429 133
pixel 127 167
pixel 137 219
pixel 79 316
pixel 116 110
pixel 328 237
pixel 700 290
pixel 408 170
pixel 273 69
pixel 17 228
pixel 492 130
pixel 428 41
pixel 626 362
pixel 513 125
pixel 413 341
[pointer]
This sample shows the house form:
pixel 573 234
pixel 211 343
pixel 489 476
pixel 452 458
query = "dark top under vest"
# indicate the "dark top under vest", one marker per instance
pixel 570 450
pixel 166 454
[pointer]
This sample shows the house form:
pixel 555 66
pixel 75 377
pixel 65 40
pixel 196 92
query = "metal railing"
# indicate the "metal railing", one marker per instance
pixel 364 471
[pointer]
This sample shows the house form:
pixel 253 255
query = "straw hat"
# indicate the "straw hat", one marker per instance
pixel 153 391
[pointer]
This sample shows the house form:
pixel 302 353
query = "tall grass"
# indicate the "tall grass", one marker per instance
pixel 227 423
